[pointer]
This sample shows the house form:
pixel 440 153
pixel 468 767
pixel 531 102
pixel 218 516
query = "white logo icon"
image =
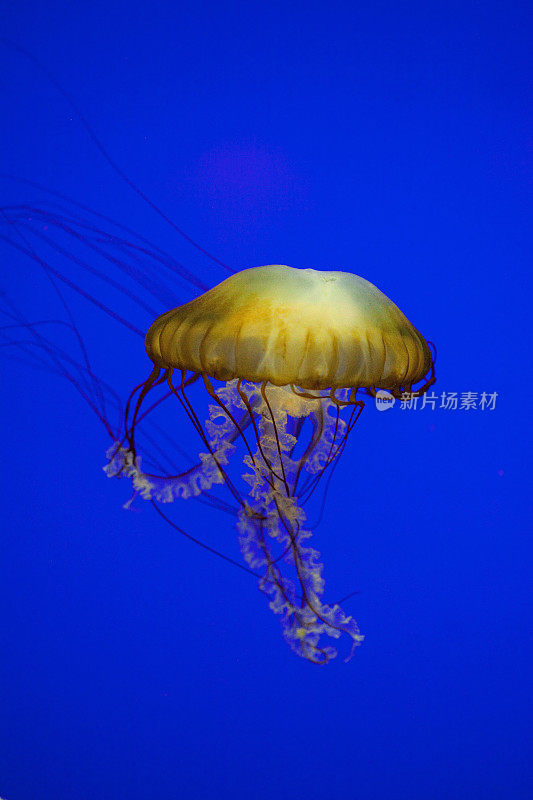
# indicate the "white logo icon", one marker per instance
pixel 384 400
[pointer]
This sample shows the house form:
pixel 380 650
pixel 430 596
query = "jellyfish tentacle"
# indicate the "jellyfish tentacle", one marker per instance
pixel 257 436
pixel 317 423
pixel 165 488
pixel 156 378
pixel 226 410
pixel 323 453
pixel 154 405
pixel 238 427
pixel 188 408
pixel 427 384
pixel 328 460
pixel 114 454
pixel 306 395
pixel 310 487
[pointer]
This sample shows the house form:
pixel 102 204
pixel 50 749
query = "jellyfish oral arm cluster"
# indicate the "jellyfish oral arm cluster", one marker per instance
pixel 289 350
pixel 268 420
pixel 275 515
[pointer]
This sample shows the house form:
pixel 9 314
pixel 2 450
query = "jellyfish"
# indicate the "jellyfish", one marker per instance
pixel 284 356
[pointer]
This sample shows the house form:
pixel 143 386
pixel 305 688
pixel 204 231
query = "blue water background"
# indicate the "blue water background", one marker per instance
pixel 390 140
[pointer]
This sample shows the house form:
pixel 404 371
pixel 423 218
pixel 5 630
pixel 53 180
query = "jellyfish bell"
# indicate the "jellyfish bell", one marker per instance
pixel 291 350
pixel 313 329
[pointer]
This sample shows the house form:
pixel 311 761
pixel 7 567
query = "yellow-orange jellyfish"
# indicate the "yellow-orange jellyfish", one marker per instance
pixel 285 346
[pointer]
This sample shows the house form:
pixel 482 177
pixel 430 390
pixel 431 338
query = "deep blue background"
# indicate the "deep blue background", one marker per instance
pixel 391 140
